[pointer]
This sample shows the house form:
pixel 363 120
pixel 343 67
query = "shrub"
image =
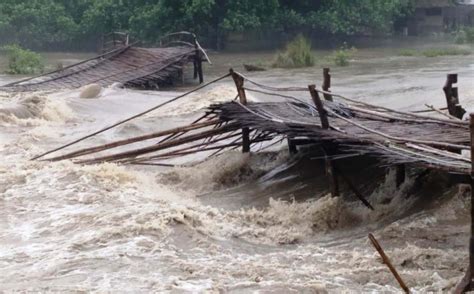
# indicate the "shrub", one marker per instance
pixel 445 52
pixel 23 61
pixel 464 35
pixel 297 54
pixel 342 56
pixel 408 52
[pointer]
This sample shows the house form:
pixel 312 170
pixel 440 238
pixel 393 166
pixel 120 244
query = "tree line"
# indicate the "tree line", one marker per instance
pixel 78 24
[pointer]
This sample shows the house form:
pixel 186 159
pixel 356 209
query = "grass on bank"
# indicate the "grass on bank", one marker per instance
pixel 435 52
pixel 22 61
pixel 445 52
pixel 297 54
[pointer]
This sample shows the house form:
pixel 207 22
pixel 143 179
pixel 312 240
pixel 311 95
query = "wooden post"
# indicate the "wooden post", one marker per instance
pixel 400 174
pixel 452 96
pixel 198 63
pixel 327 83
pixel 291 146
pixel 239 83
pixel 199 70
pixel 319 106
pixel 466 283
pixel 330 170
pixel 333 180
pixel 195 69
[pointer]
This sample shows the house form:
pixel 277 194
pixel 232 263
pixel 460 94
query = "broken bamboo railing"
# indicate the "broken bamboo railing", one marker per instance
pixel 161 146
pixel 130 118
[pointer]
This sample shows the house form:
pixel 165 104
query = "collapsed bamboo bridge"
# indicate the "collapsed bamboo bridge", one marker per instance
pixel 341 127
pixel 124 63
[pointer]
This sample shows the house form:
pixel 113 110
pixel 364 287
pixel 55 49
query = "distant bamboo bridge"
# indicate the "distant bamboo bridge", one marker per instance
pixel 126 64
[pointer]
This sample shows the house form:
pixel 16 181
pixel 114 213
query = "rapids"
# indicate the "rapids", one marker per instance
pixel 236 223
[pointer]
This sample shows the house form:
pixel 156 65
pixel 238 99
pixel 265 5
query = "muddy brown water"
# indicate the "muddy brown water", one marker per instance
pixel 237 223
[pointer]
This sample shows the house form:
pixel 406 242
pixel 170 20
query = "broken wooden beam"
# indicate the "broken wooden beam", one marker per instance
pixel 239 83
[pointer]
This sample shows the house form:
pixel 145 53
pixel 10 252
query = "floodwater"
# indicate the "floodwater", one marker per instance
pixel 236 223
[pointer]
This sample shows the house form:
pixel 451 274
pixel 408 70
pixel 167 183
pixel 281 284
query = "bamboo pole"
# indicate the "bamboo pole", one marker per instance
pixel 115 144
pixel 239 83
pixel 353 188
pixel 158 147
pixel 185 149
pixel 466 283
pixel 130 118
pixel 388 263
pixel 440 112
pixel 403 140
pixel 408 120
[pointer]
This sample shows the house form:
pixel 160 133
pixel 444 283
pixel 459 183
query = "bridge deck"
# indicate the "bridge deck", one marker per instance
pixel 355 128
pixel 129 65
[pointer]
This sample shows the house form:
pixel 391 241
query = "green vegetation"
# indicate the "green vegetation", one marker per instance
pixel 53 24
pixel 445 52
pixel 342 56
pixel 297 54
pixel 435 52
pixel 464 35
pixel 22 61
pixel 408 52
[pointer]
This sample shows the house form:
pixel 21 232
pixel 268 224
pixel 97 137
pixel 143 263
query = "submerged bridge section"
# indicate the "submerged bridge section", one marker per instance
pixel 126 64
pixel 338 126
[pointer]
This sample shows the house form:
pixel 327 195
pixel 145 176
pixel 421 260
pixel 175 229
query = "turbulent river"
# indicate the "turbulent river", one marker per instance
pixel 236 223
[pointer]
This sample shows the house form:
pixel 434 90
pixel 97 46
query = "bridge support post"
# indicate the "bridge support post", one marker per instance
pixel 467 283
pixel 198 63
pixel 199 70
pixel 400 174
pixel 292 146
pixel 239 83
pixel 327 83
pixel 452 96
pixel 330 169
